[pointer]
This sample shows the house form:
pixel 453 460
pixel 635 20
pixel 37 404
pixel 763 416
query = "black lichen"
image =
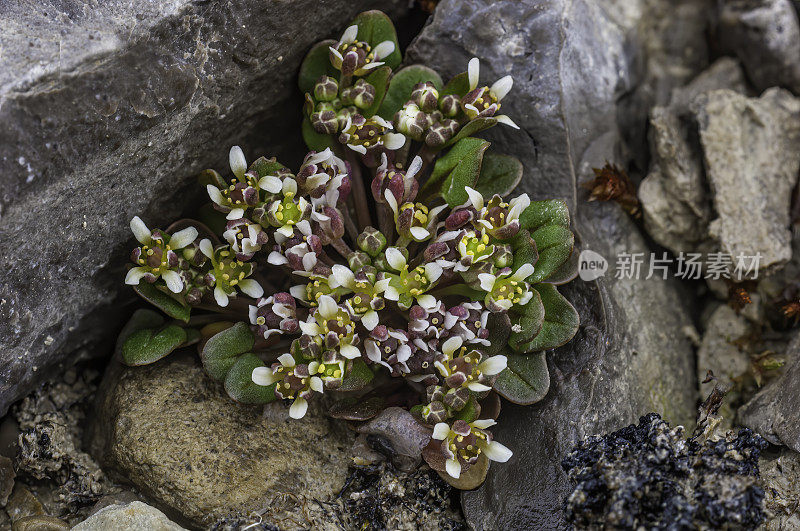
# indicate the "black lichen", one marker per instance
pixel 650 476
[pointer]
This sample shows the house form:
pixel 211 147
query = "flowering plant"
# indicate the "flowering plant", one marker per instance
pixel 389 270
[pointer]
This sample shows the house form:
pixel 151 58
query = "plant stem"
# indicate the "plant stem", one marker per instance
pixel 341 247
pixel 386 222
pixel 349 225
pixel 358 192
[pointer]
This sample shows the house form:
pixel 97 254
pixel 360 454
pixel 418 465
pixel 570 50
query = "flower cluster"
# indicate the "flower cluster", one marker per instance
pixel 381 260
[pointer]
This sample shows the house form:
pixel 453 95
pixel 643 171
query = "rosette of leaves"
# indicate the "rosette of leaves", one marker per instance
pixel 394 267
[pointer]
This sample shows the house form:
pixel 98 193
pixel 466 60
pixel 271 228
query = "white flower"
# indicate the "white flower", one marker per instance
pixel 463 442
pixel 485 101
pixel 156 257
pixel 505 290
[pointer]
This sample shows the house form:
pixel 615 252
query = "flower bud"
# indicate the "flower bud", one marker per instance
pixel 503 255
pixel 449 105
pixel 358 260
pixel 411 121
pixel 344 113
pixel 371 241
pixel 441 132
pixel 425 96
pixel 434 412
pixel 325 123
pixel 326 89
pixel 362 94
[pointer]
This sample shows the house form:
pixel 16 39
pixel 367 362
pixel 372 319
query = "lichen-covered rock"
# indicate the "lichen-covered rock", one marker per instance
pixel 135 516
pixel 574 65
pixel 780 473
pixel 174 433
pixel 775 411
pixel 752 164
pixel 765 35
pixel 649 476
pixel 110 109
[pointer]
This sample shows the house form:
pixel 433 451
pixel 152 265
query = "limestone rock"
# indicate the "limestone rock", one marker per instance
pixel 572 62
pixel 135 516
pixel 775 411
pixel 40 523
pixel 109 110
pixel 752 163
pixel 780 475
pixel 179 439
pixel 765 35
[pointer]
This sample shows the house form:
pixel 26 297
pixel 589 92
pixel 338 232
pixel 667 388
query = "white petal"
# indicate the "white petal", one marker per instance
pixel 358 149
pixel 350 34
pixel 389 196
pixel 504 304
pixel 433 271
pixel 276 258
pixel 501 87
pixel 315 383
pixel 206 248
pixel 287 360
pixel 316 158
pixel 419 234
pixel 271 184
pixel 428 302
pixel 182 238
pixel 497 452
pixel 135 275
pixel 251 287
pixel 349 351
pixel 414 167
pixel 484 423
pixel 453 468
pixel 503 119
pixel 391 294
pixel 299 408
pixel 298 292
pixel 478 388
pixel 493 365
pixel 289 186
pixel 327 307
pixel 309 328
pixel 373 352
pixel 394 141
pixel 383 50
pixel 309 261
pixel 451 345
pixel 403 353
pixel 370 320
pixel 342 276
pixel 263 376
pixel 487 281
pixel 395 258
pixel 141 231
pixel 317 180
pixel 236 213
pixel 473 72
pixel 252 313
pixel 336 54
pixel 237 161
pixel 441 431
pixel 286 230
pixel 475 198
pixel 215 194
pixel 220 296
pixel 173 280
pixel 371 66
pixel 524 271
pixel 381 285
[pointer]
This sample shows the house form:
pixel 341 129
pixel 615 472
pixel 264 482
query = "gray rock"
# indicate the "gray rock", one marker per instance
pixel 674 195
pixel 176 436
pixel 572 63
pixel 135 516
pixel 405 436
pixel 752 163
pixel 40 523
pixel 780 475
pixel 775 411
pixel 109 110
pixel 765 35
pixel 7 476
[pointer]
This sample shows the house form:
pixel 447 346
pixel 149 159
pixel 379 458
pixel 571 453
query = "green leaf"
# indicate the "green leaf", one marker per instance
pixel 525 250
pixel 207 177
pixel 169 304
pixel 353 408
pixel 525 380
pixel 401 85
pixel 499 327
pixel 148 345
pixel 359 376
pixel 221 350
pixel 472 478
pixel 239 382
pixel 470 411
pixel 541 213
pixel 554 244
pixel 459 168
pixel 316 63
pixel 528 322
pixel 374 27
pixel 141 319
pixel 212 218
pixel 567 272
pixel 459 86
pixel 560 321
pixel 378 78
pixel 500 174
pixel 473 126
pixel 316 141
